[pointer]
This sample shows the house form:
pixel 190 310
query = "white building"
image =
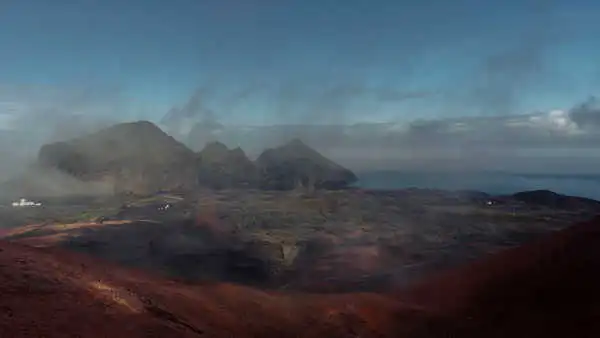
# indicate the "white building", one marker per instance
pixel 25 203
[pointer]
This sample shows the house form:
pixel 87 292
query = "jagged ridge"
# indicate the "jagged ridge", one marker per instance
pixel 139 157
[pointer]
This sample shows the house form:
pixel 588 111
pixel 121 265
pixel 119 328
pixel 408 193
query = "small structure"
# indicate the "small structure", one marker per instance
pixel 164 207
pixel 26 203
pixel 495 201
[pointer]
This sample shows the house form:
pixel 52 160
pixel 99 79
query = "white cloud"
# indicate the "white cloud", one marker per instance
pixel 556 121
pixel 493 142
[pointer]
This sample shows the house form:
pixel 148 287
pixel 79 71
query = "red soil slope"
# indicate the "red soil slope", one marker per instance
pixel 51 293
pixel 545 289
pixel 548 288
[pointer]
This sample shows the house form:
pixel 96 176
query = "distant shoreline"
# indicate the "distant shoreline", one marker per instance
pixel 493 183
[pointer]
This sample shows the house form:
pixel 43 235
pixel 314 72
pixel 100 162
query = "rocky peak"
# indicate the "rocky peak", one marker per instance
pixel 214 151
pixel 220 167
pixel 296 164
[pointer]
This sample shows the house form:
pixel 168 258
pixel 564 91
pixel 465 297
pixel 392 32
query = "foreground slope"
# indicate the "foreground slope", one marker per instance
pixel 52 293
pixel 548 288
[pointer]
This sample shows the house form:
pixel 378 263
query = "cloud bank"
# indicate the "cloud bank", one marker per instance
pixel 553 141
pixel 33 115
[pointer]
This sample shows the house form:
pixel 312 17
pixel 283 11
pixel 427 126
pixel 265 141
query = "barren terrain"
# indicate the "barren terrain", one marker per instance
pixel 547 288
pixel 326 241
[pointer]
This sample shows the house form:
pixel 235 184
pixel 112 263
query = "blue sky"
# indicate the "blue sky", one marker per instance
pixel 268 61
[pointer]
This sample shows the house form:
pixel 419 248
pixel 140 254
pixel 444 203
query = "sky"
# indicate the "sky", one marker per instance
pixel 72 64
pixel 260 61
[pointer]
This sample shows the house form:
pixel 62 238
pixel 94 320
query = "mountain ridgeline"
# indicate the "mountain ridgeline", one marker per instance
pixel 140 158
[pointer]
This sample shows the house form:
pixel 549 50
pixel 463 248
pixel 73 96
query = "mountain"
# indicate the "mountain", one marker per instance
pixel 297 165
pixel 220 167
pixel 136 157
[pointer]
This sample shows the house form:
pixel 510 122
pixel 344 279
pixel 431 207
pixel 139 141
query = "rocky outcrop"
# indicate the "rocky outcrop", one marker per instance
pixel 296 165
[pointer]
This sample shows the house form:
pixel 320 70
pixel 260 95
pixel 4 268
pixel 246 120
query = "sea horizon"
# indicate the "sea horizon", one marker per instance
pixel 491 182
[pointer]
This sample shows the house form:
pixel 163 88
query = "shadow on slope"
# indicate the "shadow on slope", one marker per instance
pixel 181 249
pixel 192 251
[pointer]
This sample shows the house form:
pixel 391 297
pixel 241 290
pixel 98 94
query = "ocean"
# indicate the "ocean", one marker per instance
pixel 491 183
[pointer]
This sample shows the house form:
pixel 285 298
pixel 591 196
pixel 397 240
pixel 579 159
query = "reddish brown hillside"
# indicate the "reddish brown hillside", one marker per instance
pixel 51 293
pixel 545 289
pixel 549 288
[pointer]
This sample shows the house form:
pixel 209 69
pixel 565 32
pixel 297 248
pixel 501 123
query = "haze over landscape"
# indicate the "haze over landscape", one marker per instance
pixel 262 168
pixel 399 84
